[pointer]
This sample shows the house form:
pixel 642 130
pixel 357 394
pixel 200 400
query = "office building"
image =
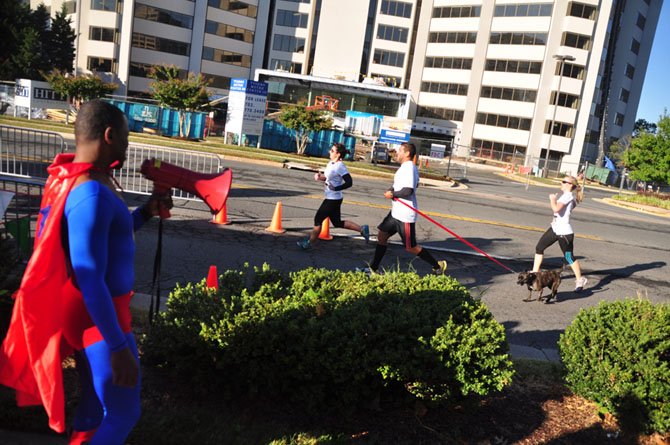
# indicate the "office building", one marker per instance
pixel 508 77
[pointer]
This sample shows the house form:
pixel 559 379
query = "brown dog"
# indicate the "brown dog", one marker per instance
pixel 537 281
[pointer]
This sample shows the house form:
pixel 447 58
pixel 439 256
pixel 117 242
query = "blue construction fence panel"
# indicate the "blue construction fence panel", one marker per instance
pixel 162 120
pixel 278 137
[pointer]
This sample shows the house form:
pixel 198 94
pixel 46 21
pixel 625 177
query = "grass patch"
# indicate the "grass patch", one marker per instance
pixel 660 201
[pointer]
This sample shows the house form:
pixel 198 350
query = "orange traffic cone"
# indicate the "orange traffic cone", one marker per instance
pixel 275 225
pixel 212 278
pixel 325 230
pixel 221 217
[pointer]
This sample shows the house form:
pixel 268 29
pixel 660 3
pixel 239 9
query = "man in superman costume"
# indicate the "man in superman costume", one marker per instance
pixel 75 294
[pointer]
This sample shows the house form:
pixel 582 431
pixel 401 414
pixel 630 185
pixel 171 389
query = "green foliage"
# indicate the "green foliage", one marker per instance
pixel 61 41
pixel 32 43
pixel 303 121
pixel 643 126
pixel 649 155
pixel 330 338
pixel 79 88
pixel 618 355
pixel 170 89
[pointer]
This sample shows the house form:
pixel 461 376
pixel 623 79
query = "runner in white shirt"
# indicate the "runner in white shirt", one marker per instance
pixel 402 219
pixel 336 178
pixel 562 205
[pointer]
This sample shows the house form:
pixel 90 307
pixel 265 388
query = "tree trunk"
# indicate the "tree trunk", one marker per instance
pixel 181 123
pixel 187 130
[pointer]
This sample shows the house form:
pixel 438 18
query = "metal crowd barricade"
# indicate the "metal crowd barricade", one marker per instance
pixel 20 218
pixel 132 181
pixel 27 153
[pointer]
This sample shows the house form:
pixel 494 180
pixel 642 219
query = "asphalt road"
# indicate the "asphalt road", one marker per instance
pixel 623 253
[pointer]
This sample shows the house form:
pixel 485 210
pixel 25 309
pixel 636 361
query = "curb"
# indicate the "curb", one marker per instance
pixel 636 207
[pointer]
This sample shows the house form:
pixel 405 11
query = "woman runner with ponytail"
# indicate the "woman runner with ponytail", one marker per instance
pixel 562 204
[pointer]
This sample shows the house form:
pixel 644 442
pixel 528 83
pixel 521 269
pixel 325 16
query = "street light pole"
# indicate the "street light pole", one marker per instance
pixel 562 60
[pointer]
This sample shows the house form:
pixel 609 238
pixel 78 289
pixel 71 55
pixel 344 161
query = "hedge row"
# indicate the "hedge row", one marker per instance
pixel 331 338
pixel 618 355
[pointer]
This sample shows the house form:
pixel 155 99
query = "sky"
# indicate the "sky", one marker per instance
pixel 656 90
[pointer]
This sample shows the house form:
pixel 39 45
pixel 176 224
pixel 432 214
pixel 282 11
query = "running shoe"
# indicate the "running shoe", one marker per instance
pixel 366 270
pixel 304 244
pixel 441 268
pixel 580 283
pixel 365 232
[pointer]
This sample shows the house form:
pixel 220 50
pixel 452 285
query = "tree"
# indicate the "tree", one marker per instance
pixel 642 125
pixel 14 19
pixel 26 59
pixel 79 88
pixel 61 42
pixel 303 121
pixel 184 95
pixel 649 155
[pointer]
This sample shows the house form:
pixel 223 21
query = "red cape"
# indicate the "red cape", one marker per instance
pixel 34 348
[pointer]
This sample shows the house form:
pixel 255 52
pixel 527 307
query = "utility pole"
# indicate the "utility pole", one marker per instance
pixel 561 60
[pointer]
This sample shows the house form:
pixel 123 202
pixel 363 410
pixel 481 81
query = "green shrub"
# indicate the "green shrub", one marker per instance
pixel 617 355
pixel 331 338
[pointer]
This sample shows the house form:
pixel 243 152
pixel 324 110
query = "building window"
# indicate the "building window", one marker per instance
pixel 623 95
pixel 221 82
pixel 289 44
pixel 582 11
pixel 391 81
pixel 516 94
pixel 630 71
pixel 100 64
pixel 229 57
pixel 229 31
pixel 235 6
pixel 564 100
pixel 456 11
pixel 483 146
pixel 518 38
pixel 102 34
pixel 454 63
pixel 559 129
pixel 160 44
pixel 618 119
pixel 452 37
pixel 103 5
pixel 513 66
pixel 138 69
pixel 397 9
pixel 292 19
pixel 641 21
pixel 501 120
pixel 579 41
pixel 390 58
pixel 457 89
pixel 285 65
pixel 70 7
pixel 571 70
pixel 440 113
pixel 524 10
pixel 635 46
pixel 392 33
pixel 158 15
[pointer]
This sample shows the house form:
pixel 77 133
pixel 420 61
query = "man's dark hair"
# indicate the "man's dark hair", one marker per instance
pixel 411 148
pixel 94 117
pixel 341 149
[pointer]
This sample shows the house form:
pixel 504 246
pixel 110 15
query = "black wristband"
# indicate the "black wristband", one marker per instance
pixel 144 211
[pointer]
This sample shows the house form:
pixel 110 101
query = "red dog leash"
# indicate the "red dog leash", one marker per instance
pixel 468 243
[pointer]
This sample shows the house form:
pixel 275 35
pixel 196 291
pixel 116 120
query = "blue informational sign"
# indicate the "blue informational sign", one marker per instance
pixel 393 136
pixel 246 107
pixel 395 130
